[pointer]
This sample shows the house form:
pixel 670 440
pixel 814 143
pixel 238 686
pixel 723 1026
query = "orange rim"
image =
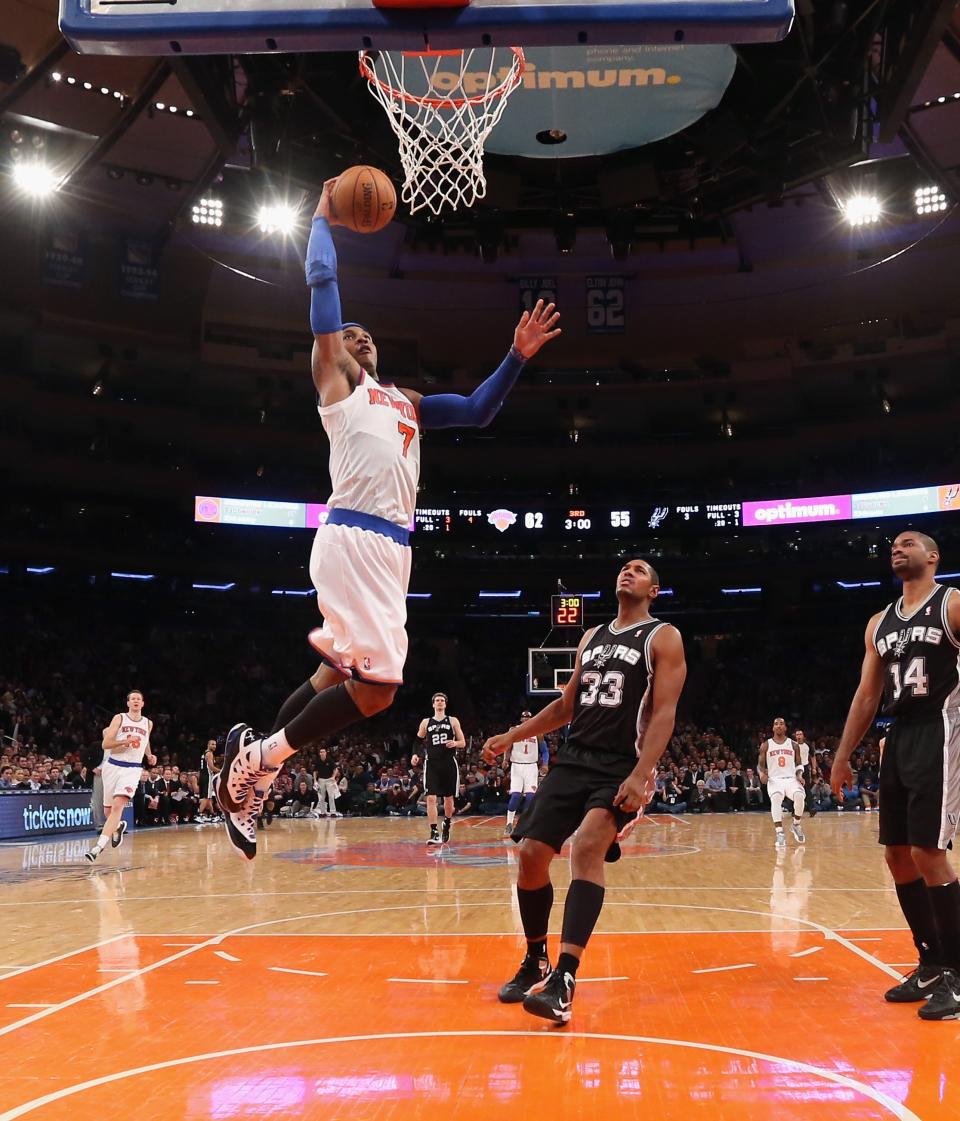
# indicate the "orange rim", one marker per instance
pixel 506 87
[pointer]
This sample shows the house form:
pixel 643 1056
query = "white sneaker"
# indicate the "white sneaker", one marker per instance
pixel 798 833
pixel 781 841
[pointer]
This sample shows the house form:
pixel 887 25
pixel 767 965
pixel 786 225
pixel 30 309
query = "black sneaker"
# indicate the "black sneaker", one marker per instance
pixel 242 826
pixel 944 1002
pixel 238 772
pixel 916 986
pixel 533 969
pixel 552 998
pixel 92 854
pixel 117 835
pixel 434 838
pixel 445 831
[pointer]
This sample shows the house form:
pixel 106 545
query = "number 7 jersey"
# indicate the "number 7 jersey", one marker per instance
pixel 615 690
pixel 921 659
pixel 374 439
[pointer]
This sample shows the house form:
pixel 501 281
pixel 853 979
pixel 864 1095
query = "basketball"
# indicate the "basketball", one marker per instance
pixel 364 199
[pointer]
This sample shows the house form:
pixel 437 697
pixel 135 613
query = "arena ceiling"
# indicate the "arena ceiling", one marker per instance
pixel 863 84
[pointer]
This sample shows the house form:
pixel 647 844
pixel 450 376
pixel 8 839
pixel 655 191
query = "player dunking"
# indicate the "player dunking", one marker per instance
pixel 621 703
pixel 780 768
pixel 912 662
pixel 126 740
pixel 442 736
pixel 360 563
pixel 526 758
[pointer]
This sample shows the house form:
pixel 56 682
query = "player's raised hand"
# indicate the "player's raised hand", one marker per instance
pixel 840 775
pixel 325 205
pixel 494 747
pixel 536 328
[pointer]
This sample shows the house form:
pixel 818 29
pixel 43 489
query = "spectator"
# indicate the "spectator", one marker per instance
pixel 752 790
pixel 305 799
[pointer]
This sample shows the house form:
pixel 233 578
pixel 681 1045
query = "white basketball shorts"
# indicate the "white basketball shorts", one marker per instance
pixel 361 579
pixel 524 778
pixel 118 780
pixel 789 786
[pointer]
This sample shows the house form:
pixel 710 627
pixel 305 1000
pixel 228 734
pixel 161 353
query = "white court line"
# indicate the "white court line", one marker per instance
pixel 299 972
pixel 201 982
pixel 807 953
pixel 726 968
pixel 226 957
pixel 811 978
pixel 901 964
pixel 867 939
pixel 105 969
pixel 902 1112
pixel 587 980
pixel 484 820
pixel 176 943
pixel 424 981
pixel 40 1005
pixel 63 957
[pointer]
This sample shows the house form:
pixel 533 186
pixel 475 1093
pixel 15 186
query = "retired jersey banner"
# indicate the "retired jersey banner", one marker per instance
pixel 586 101
pixel 63 259
pixel 606 305
pixel 139 277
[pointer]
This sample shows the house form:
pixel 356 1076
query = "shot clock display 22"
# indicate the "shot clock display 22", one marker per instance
pixel 566 610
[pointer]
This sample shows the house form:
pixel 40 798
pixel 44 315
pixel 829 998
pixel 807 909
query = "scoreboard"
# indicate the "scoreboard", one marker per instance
pixel 582 520
pixel 566 611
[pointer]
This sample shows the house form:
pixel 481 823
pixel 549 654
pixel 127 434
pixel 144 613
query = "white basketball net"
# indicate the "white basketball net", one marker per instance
pixel 442 129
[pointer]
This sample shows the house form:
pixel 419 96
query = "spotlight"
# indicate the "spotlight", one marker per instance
pixel 277 218
pixel 565 232
pixel 35 178
pixel 861 210
pixel 97 390
pixel 160 105
pixel 929 200
pixel 207 212
pixel 56 76
pixel 885 405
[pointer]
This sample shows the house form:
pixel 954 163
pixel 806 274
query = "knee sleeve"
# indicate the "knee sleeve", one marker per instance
pixel 527 799
pixel 514 802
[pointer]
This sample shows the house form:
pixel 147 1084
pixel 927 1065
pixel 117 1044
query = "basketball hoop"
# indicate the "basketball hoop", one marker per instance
pixel 442 107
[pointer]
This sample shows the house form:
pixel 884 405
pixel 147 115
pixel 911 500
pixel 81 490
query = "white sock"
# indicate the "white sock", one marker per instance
pixel 511 814
pixel 274 750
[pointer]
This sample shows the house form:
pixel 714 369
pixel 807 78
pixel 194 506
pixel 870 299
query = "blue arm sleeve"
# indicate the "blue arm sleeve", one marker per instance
pixel 321 272
pixel 544 753
pixel 450 410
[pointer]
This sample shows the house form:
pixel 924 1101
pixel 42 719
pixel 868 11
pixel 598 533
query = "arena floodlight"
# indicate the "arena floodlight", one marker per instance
pixel 500 595
pixel 929 200
pixel 277 218
pixel 35 179
pixel 207 211
pixel 861 210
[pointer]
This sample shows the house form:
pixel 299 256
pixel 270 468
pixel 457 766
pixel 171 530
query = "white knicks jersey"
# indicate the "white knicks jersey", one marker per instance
pixel 137 735
pixel 374 452
pixel 781 760
pixel 525 751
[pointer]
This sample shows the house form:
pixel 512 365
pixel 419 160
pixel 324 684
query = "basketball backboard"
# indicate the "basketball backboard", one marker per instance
pixel 549 668
pixel 152 27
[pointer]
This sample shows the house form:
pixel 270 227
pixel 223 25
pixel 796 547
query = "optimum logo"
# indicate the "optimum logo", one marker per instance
pixel 41 819
pixel 614 77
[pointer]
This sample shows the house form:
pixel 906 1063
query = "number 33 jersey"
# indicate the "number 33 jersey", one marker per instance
pixel 921 659
pixel 374 439
pixel 614 691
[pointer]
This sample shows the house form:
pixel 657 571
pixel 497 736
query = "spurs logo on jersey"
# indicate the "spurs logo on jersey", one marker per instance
pixel 921 670
pixel 615 689
pixel 374 451
pixel 439 734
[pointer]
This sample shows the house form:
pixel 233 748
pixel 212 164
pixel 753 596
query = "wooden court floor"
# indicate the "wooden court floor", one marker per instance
pixel 351 973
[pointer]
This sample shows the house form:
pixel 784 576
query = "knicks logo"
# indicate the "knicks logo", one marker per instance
pixel 502 519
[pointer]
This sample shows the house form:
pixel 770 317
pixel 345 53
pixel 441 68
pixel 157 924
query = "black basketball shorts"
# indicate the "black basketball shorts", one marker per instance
pixel 442 776
pixel 574 786
pixel 920 784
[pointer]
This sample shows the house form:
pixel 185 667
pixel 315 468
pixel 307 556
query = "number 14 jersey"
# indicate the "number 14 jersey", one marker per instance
pixel 921 660
pixel 614 691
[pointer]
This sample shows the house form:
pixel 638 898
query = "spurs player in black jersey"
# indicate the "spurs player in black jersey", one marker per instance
pixel 620 703
pixel 912 663
pixel 442 735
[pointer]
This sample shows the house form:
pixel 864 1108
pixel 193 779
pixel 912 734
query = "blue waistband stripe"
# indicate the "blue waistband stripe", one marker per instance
pixel 370 522
pixel 124 763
